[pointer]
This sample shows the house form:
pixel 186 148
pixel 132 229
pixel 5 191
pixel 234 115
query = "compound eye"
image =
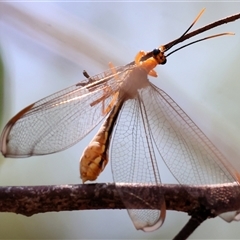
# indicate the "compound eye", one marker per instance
pixel 156 51
pixel 164 61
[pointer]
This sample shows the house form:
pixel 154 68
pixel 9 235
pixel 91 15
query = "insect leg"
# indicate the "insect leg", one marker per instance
pixel 138 57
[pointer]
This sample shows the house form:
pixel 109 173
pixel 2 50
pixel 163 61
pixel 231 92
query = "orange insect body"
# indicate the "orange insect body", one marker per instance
pixel 95 158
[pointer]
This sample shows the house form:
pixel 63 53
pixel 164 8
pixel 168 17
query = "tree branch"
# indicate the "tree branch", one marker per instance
pixel 201 202
pixel 193 223
pixel 29 200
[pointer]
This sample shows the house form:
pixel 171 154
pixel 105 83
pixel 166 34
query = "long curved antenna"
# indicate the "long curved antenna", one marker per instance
pixel 176 41
pixel 201 30
pixel 200 40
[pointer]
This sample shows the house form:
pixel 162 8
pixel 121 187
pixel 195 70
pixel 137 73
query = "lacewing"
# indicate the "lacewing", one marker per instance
pixel 140 118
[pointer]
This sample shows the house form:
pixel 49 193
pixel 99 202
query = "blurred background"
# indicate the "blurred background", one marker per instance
pixel 44 48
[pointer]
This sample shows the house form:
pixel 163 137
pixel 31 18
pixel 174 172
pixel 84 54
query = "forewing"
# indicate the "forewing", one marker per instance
pixel 133 161
pixel 61 119
pixel 187 152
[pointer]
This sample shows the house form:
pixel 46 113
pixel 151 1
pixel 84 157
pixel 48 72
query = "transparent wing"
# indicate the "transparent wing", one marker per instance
pixel 133 161
pixel 187 152
pixel 61 119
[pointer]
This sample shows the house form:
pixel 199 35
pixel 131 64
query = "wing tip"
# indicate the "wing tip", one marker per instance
pixel 147 225
pixel 5 133
pixel 160 220
pixel 3 139
pixel 154 227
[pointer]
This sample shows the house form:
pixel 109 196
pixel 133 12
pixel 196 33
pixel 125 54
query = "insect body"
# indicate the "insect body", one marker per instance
pixel 140 119
pixel 94 158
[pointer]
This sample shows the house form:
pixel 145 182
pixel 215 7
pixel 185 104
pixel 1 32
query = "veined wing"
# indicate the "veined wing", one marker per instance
pixel 187 152
pixel 133 161
pixel 61 119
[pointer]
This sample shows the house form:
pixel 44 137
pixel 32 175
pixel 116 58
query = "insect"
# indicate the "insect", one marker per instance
pixel 140 119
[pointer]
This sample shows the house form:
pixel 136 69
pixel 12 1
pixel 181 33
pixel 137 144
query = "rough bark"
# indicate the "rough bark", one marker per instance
pixel 29 200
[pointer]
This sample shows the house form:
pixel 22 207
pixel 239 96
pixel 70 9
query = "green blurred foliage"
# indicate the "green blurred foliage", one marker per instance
pixel 1 88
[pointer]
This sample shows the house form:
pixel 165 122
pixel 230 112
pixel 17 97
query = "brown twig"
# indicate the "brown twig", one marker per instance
pixel 193 223
pixel 29 200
